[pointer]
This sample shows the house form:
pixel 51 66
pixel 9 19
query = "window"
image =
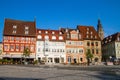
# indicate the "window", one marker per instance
pixel 26 32
pixel 12 39
pixel 91 36
pixel 46 32
pixel 53 32
pixel 22 39
pixel 5 38
pixel 58 50
pixel 17 38
pixel 39 37
pixel 92 43
pixel 80 50
pixel 74 36
pixel 14 32
pixel 79 36
pixel 88 43
pixel 39 31
pixel 69 42
pixel 32 39
pixel 27 39
pixel 53 37
pixel 117 45
pixel 26 46
pixel 81 43
pixel 69 59
pixel 95 37
pixel 68 36
pixel 91 32
pixel 11 47
pixel 22 48
pixel 32 48
pixel 87 29
pixel 87 32
pixel 5 47
pixel 26 27
pixel 96 51
pixel 81 59
pixel 87 36
pixel 93 51
pixel 60 32
pixel 96 43
pixel 17 47
pixel 60 38
pixel 14 26
pixel 46 49
pixel 46 37
pixel 118 38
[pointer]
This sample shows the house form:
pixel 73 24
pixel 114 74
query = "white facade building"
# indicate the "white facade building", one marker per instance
pixel 51 48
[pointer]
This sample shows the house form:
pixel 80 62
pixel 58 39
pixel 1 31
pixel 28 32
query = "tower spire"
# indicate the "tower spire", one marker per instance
pixel 100 30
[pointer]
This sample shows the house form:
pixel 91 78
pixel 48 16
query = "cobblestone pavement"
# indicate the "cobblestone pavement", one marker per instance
pixel 9 72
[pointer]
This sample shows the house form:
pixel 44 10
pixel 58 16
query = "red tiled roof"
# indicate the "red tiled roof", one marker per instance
pixel 50 33
pixel 88 32
pixel 111 38
pixel 66 31
pixel 20 30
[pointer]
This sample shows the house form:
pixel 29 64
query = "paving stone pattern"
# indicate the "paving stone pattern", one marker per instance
pixel 29 73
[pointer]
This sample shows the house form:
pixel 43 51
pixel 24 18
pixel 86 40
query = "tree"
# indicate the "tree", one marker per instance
pixel 89 56
pixel 26 53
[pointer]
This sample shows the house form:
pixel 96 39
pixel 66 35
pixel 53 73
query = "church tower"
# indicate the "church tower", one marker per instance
pixel 100 30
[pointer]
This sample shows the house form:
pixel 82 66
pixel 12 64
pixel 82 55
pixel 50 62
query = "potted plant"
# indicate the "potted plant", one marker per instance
pixel 35 62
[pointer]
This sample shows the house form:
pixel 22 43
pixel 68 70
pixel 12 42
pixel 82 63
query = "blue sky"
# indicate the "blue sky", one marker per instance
pixel 52 14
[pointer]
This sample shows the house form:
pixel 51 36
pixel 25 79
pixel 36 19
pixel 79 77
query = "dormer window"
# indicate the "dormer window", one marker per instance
pixel 39 37
pixel 39 31
pixel 46 32
pixel 26 32
pixel 109 40
pixel 87 36
pixel 60 38
pixel 53 32
pixel 26 27
pixel 60 32
pixel 87 32
pixel 53 37
pixel 14 26
pixel 46 37
pixel 79 36
pixel 14 31
pixel 95 37
pixel 87 29
pixel 91 36
pixel 91 32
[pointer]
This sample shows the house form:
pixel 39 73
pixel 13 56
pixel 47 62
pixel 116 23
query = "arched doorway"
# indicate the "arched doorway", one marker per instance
pixel 96 59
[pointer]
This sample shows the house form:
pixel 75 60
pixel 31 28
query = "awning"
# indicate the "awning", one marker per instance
pixel 18 56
